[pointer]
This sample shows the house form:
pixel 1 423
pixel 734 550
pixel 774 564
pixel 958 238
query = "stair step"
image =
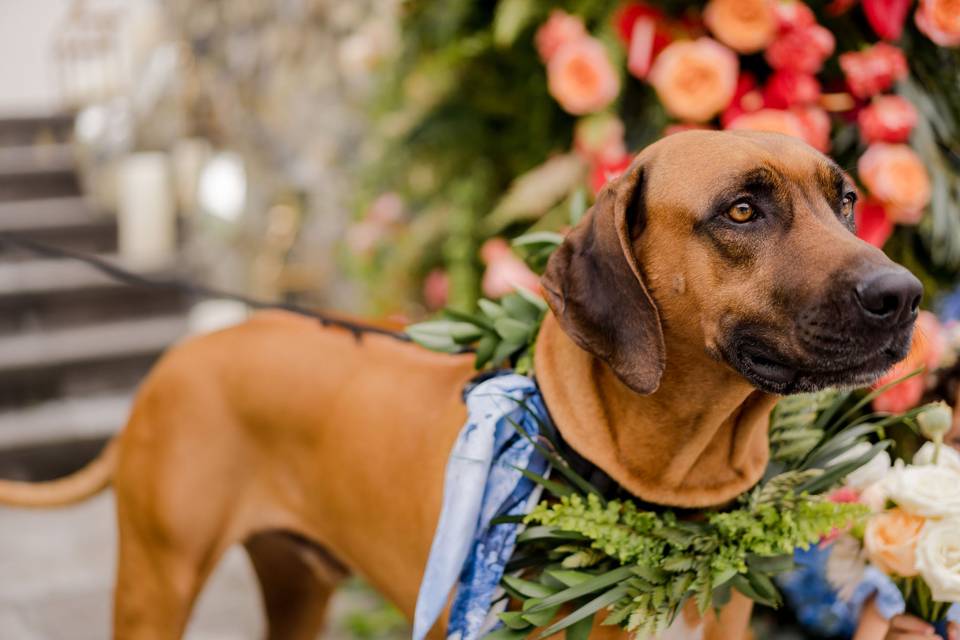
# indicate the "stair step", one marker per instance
pixel 50 275
pixel 65 419
pixel 99 342
pixel 67 222
pixel 37 159
pixel 36 130
pixel 32 182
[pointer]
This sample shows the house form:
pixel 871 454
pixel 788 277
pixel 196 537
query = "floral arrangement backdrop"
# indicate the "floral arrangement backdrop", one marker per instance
pixel 496 118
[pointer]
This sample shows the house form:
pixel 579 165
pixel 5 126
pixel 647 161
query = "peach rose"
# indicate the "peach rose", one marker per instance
pixel 746 26
pixel 939 20
pixel 559 29
pixel 505 271
pixel 926 349
pixel 894 175
pixel 581 78
pixel 695 79
pixel 772 120
pixel 891 541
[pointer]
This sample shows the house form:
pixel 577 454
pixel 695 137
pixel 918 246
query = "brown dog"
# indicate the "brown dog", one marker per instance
pixel 719 270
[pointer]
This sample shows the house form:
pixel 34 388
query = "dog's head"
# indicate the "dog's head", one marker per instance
pixel 742 243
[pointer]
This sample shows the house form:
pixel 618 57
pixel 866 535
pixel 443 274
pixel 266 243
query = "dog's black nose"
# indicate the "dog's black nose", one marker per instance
pixel 890 296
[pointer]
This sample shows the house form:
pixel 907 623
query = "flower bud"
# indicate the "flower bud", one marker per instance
pixel 935 421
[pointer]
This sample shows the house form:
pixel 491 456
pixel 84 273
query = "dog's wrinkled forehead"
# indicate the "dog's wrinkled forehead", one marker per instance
pixel 691 170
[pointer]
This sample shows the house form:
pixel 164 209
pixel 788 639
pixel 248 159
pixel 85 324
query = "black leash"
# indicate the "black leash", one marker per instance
pixel 127 277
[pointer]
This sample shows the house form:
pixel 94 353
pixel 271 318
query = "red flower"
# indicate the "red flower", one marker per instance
pixel 645 32
pixel 887 16
pixel 873 225
pixel 887 119
pixel 873 70
pixel 793 15
pixel 786 88
pixel 746 99
pixel 801 49
pixel 603 172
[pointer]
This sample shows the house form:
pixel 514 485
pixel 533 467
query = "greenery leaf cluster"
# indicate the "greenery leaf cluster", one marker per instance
pixel 583 553
pixel 503 332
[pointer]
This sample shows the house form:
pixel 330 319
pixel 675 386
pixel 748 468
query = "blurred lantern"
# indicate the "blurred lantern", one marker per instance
pixel 146 217
pixel 223 186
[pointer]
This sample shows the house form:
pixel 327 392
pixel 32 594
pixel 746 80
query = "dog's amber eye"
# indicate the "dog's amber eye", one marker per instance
pixel 846 205
pixel 741 212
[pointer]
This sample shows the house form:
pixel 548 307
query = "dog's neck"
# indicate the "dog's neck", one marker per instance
pixel 699 440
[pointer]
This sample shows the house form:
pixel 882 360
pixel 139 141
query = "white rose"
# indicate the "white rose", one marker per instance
pixel 870 473
pixel 846 565
pixel 938 559
pixel 949 457
pixel 932 492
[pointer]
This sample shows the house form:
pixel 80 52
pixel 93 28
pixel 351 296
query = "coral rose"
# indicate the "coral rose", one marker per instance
pixel 816 126
pixel 695 80
pixel 581 78
pixel 745 26
pixel 746 98
pixel 873 225
pixel 792 14
pixel 887 119
pixel 873 70
pixel 894 175
pixel 891 541
pixel 803 49
pixel 772 120
pixel 559 29
pixel 939 20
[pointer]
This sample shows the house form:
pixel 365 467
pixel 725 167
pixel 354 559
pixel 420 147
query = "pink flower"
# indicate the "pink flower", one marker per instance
pixel 603 172
pixel 873 225
pixel 772 120
pixel 559 29
pixel 932 338
pixel 581 78
pixel 887 16
pixel 844 495
pixel 802 49
pixel 628 15
pixel 873 70
pixel 387 209
pixel 505 271
pixel 599 138
pixel 939 20
pixel 786 88
pixel 887 119
pixel 746 26
pixel 894 175
pixel 695 79
pixel 436 288
pixel 900 397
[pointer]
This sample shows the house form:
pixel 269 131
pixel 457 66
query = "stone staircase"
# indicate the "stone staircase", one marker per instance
pixel 73 343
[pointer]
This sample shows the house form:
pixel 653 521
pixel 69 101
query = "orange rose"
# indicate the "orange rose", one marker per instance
pixel 891 541
pixel 581 78
pixel 772 120
pixel 695 80
pixel 746 26
pixel 894 175
pixel 939 20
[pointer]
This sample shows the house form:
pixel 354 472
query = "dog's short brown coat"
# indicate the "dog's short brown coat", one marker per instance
pixel 324 453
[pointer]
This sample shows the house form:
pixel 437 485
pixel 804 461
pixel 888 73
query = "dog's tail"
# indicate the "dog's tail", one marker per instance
pixel 86 482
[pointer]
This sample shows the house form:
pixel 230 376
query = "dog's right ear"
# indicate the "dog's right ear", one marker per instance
pixel 595 289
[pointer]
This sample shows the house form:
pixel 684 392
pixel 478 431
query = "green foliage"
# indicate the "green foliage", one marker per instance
pixel 588 553
pixel 504 332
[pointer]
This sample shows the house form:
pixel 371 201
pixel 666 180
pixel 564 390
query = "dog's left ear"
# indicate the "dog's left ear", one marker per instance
pixel 595 289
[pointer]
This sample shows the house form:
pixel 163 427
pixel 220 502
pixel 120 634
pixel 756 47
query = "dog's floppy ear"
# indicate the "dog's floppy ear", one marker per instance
pixel 594 286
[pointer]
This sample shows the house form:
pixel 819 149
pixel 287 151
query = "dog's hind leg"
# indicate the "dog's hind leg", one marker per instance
pixel 297 579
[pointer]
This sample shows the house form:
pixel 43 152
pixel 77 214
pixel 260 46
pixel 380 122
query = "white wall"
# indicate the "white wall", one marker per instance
pixel 28 31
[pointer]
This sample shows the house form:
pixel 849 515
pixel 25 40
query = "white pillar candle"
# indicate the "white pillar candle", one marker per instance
pixel 146 213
